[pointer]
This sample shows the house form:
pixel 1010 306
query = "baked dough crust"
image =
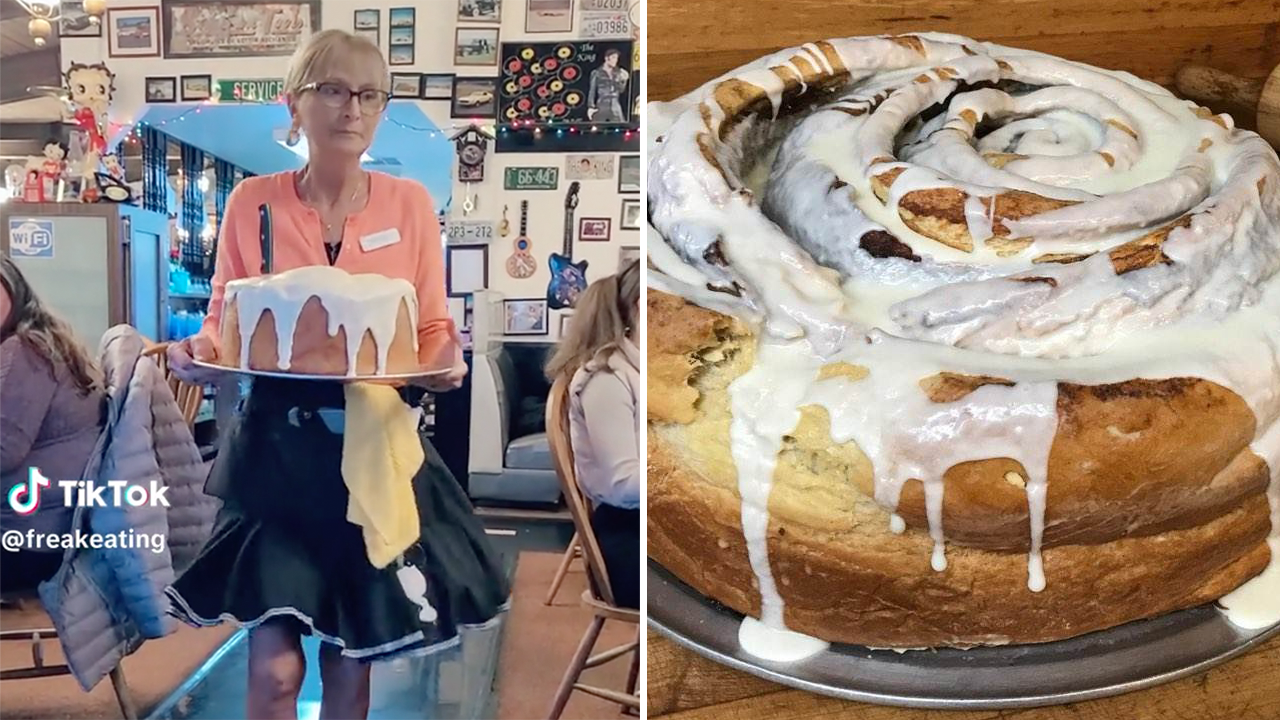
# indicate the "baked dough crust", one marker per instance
pixel 1155 503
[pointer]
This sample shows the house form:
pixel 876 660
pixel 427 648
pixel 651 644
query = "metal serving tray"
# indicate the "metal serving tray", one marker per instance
pixel 1109 662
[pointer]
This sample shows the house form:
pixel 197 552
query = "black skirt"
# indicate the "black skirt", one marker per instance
pixel 282 547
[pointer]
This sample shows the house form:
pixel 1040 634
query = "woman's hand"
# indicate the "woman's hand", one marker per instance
pixel 184 353
pixel 444 382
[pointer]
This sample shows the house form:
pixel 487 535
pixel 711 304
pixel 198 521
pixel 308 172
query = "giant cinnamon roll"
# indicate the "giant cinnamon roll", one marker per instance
pixel 961 344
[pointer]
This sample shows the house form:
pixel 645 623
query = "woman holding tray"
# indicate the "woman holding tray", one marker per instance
pixel 284 560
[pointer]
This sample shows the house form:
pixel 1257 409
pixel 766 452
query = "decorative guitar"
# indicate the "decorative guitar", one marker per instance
pixel 522 264
pixel 568 279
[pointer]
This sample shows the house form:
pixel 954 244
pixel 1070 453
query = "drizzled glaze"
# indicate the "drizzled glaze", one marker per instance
pixel 1129 155
pixel 359 303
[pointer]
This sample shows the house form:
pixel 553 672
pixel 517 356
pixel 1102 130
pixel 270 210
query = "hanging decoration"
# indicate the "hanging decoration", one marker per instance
pixel 155 196
pixel 192 186
pixel 471 144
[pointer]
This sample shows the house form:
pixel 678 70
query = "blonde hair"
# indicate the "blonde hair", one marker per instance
pixel 602 319
pixel 326 50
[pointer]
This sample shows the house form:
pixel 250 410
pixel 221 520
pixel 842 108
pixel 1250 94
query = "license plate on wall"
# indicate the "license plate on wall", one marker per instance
pixel 470 232
pixel 531 178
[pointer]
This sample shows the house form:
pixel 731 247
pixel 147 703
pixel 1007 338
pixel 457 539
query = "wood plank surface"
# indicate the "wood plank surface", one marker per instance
pixel 692 41
pixel 685 686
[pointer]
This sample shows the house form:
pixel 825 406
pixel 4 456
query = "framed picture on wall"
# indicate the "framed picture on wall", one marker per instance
pixel 133 32
pixel 467 269
pixel 373 36
pixel 161 89
pixel 524 316
pixel 237 28
pixel 475 46
pixel 628 174
pixel 548 16
pixel 627 254
pixel 400 55
pixel 437 86
pixel 400 36
pixel 630 214
pixel 196 88
pixel 74 21
pixel 594 229
pixel 474 97
pixel 370 19
pixel 480 11
pixel 566 321
pixel 406 85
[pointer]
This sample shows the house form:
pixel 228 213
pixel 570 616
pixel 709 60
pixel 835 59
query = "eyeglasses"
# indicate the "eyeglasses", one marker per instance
pixel 336 95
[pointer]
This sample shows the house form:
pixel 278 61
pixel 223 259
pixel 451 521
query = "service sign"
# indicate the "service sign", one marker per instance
pixel 470 232
pixel 262 90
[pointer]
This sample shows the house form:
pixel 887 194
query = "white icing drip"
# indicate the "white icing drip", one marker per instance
pixel 360 304
pixel 1210 314
pixel 778 380
pixel 776 645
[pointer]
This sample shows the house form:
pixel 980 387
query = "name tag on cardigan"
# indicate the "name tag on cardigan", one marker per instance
pixel 380 239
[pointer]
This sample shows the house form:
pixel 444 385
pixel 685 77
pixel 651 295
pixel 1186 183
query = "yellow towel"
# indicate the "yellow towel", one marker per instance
pixel 381 453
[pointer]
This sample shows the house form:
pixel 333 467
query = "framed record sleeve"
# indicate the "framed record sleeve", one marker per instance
pixel 568 82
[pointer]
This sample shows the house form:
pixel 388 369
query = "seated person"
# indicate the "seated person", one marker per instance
pixel 600 356
pixel 53 399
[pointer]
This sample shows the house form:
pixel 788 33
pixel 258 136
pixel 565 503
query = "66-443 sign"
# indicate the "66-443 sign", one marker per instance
pixel 531 178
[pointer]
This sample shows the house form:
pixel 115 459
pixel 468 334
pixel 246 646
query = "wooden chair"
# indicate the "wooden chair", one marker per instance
pixel 570 553
pixel 39 669
pixel 188 396
pixel 599 596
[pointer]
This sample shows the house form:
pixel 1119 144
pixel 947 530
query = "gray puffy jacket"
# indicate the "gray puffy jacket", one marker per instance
pixel 106 601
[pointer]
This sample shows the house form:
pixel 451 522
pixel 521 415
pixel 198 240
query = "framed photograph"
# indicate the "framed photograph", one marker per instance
pixel 400 55
pixel 475 46
pixel 373 35
pixel 627 254
pixel 133 32
pixel 630 214
pixel 74 21
pixel 566 320
pixel 437 86
pixel 588 167
pixel 480 11
pixel 162 90
pixel 592 85
pixel 367 20
pixel 402 17
pixel 237 28
pixel 473 97
pixel 196 88
pixel 406 85
pixel 594 229
pixel 628 174
pixel 400 36
pixel 524 317
pixel 467 269
pixel 548 16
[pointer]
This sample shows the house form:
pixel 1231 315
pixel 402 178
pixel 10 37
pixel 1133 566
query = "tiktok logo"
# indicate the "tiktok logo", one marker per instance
pixel 24 498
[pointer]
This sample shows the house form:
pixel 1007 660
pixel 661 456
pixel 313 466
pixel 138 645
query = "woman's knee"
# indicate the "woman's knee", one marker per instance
pixel 277 666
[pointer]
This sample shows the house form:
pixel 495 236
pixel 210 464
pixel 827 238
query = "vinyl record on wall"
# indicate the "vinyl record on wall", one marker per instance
pixel 570 82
